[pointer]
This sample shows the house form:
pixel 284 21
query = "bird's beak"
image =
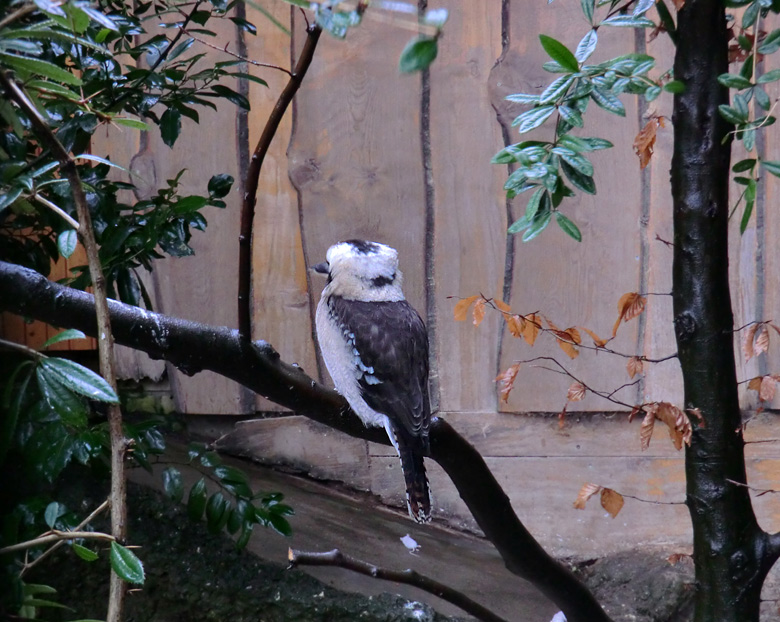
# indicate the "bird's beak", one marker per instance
pixel 321 268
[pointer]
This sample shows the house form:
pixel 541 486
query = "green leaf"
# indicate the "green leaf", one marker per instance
pixel 522 98
pixel 66 242
pixel 39 67
pixel 170 126
pixel 79 379
pixel 674 86
pixel 587 7
pixel 172 484
pixel 8 198
pixel 568 227
pixel 532 118
pixel 586 46
pixel 232 96
pixel 608 101
pixel 279 524
pixel 744 165
pixel 68 406
pixel 53 511
pixel 771 166
pixel 628 21
pixel 126 565
pixel 734 81
pixel 196 501
pixel 743 224
pixel 750 14
pixel 559 53
pixel 189 204
pixel 13 397
pixel 771 43
pixel 732 115
pixel 538 225
pixel 769 76
pixel 219 185
pixel 571 116
pixel 134 123
pixel 556 89
pixel 217 512
pixel 94 158
pixel 418 54
pixel 532 207
pixel 578 180
pixel 580 163
pixel 652 93
pixel 88 555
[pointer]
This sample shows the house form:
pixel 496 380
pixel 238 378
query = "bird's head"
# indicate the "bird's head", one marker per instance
pixel 362 270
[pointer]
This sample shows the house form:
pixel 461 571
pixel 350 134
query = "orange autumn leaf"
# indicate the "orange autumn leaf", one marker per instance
pixel 755 383
pixel 506 381
pixel 677 422
pixel 462 307
pixel 530 329
pixel 629 306
pixel 646 431
pixel 576 392
pixel 597 341
pixel 479 311
pixel 566 339
pixel 611 501
pixel 585 493
pixel 516 325
pixel 502 306
pixel 635 366
pixel 644 143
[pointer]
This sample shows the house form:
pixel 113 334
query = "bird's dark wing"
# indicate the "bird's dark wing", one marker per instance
pixel 392 343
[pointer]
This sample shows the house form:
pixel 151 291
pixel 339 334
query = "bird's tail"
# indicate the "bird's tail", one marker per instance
pixel 418 494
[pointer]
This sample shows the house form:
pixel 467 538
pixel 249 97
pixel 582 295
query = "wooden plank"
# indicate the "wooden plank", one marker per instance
pixel 355 151
pixel 281 313
pixel 203 287
pixel 304 445
pixel 573 284
pixel 469 209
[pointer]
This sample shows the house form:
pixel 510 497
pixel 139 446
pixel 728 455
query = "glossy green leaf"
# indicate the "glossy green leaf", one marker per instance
pixel 580 163
pixel 568 226
pixel 522 98
pixel 771 166
pixel 556 89
pixel 280 525
pixel 196 502
pixel 533 118
pixel 219 185
pixel 674 86
pixel 66 242
pixel 418 54
pixel 628 21
pixel 79 379
pixel 67 405
pixel 217 512
pixel 744 165
pixel 770 76
pixel 578 180
pixel 126 565
pixel 732 115
pixel 232 96
pixel 133 123
pixel 571 116
pixel 771 43
pixel 170 126
pixel 743 224
pixel 586 45
pixel 587 7
pixel 608 101
pixel 39 67
pixel 750 14
pixel 734 81
pixel 172 484
pixel 652 93
pixel 88 555
pixel 538 225
pixel 52 513
pixel 559 53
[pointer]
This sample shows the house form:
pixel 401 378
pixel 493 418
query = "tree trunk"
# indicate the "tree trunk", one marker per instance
pixel 730 550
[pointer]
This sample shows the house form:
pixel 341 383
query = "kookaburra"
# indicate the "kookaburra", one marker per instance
pixel 376 349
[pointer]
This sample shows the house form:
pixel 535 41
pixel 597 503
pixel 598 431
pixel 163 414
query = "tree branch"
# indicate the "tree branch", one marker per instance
pixel 313 33
pixel 193 347
pixel 408 577
pixel 56 536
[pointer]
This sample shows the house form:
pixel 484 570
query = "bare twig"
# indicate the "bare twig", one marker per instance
pixel 55 535
pixel 761 491
pixel 21 348
pixel 408 577
pixel 30 565
pixel 253 178
pixel 236 56
pixel 57 210
pixel 118 497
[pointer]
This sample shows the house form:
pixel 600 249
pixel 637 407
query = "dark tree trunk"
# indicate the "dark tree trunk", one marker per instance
pixel 731 553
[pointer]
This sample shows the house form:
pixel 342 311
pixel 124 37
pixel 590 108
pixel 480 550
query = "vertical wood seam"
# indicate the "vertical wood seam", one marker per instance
pixel 760 209
pixel 645 200
pixel 430 231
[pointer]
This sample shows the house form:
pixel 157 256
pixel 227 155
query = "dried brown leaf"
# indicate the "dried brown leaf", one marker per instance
pixel 633 413
pixel 479 311
pixel 629 306
pixel 747 343
pixel 585 493
pixel 506 381
pixel 516 324
pixel 502 306
pixel 571 351
pixel 461 310
pixel 648 423
pixel 576 392
pixel 611 501
pixel 635 366
pixel 766 392
pixel 562 417
pixel 645 141
pixel 597 341
pixel 761 344
pixel 680 430
pixel 755 383
pixel 531 327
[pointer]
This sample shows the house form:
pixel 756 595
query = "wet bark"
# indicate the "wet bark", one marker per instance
pixel 731 553
pixel 193 347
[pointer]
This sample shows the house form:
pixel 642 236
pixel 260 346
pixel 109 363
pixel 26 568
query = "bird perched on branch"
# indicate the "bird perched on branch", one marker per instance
pixel 375 347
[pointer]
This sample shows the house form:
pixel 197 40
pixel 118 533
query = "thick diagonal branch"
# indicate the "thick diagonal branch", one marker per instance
pixel 194 347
